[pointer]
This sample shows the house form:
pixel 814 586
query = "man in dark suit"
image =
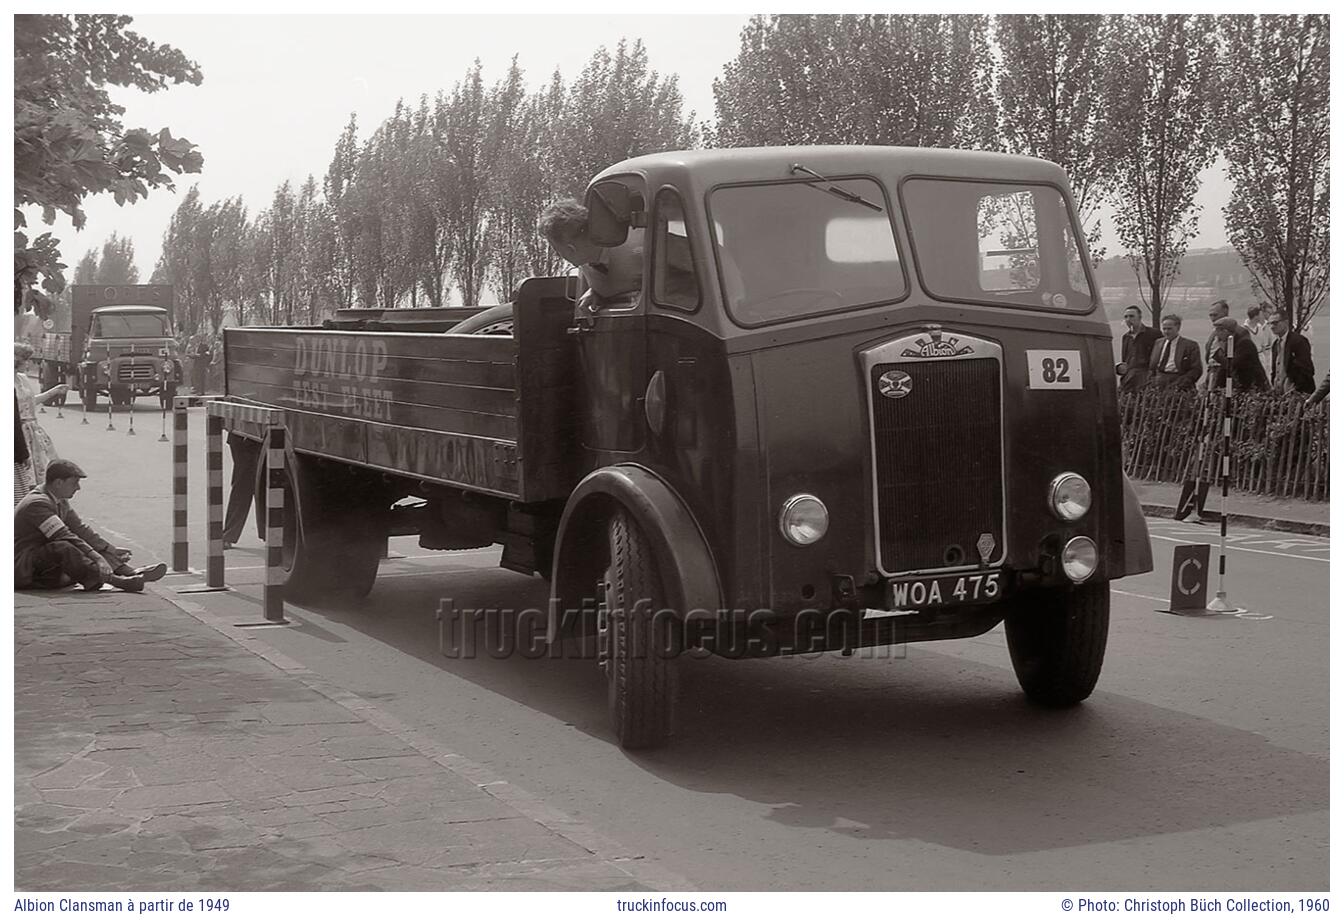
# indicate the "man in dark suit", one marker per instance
pixel 1244 364
pixel 1136 350
pixel 1290 358
pixel 1174 361
pixel 1214 344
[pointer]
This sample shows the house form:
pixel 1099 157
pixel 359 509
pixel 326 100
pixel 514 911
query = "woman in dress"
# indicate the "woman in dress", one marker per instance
pixel 40 449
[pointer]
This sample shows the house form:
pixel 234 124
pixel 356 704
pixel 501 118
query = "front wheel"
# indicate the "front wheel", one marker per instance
pixel 1057 641
pixel 637 636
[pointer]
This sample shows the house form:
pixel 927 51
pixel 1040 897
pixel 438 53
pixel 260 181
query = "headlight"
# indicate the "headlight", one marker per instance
pixel 1079 559
pixel 803 520
pixel 1070 496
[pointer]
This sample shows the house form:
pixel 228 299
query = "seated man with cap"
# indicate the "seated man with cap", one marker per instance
pixel 53 548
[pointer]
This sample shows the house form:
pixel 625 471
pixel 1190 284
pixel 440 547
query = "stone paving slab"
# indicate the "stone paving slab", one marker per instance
pixel 154 751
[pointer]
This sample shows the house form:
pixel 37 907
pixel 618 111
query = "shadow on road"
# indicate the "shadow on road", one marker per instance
pixel 921 746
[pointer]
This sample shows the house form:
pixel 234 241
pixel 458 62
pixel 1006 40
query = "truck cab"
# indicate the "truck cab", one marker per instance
pixel 882 395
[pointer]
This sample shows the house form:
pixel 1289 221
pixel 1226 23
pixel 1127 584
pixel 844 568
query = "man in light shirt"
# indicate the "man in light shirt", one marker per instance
pixel 614 275
pixel 1257 324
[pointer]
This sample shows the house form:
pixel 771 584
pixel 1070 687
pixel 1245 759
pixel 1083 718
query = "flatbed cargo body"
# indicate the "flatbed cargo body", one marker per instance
pixel 491 414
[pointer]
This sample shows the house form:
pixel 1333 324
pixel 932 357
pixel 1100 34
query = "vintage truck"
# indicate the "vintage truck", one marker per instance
pixel 863 397
pixel 119 344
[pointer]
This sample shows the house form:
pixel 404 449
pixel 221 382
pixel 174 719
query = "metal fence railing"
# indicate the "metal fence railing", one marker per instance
pixel 1279 447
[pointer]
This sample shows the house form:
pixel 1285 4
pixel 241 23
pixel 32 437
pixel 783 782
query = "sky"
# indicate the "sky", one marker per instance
pixel 279 89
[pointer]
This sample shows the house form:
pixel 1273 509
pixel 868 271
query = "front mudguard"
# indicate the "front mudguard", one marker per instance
pixel 685 563
pixel 1138 557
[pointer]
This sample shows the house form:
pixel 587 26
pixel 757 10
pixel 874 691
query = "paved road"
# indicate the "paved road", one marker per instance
pixel 1200 763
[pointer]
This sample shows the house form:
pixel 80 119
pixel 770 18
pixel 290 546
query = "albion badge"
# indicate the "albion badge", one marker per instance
pixel 986 547
pixel 936 346
pixel 894 384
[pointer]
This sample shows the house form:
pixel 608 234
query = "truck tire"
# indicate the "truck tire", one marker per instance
pixel 1057 640
pixel 490 321
pixel 327 554
pixel 120 396
pixel 636 639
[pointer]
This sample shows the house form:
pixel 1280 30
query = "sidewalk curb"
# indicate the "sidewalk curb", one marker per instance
pixel 1251 520
pixel 640 869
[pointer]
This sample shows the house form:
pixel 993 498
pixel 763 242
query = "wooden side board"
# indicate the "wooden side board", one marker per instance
pixel 489 413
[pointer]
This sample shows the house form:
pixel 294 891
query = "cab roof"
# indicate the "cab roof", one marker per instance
pixel 129 308
pixel 742 164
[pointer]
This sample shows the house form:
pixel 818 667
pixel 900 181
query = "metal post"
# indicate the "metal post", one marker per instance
pixel 131 429
pixel 180 546
pixel 1220 604
pixel 273 592
pixel 214 473
pixel 110 426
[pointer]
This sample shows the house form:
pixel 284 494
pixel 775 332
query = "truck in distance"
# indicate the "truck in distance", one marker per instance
pixel 120 345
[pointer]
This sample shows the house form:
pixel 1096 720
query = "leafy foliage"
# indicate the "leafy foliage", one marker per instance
pixel 440 201
pixel 1278 153
pixel 1051 105
pixel 920 81
pixel 68 139
pixel 1162 97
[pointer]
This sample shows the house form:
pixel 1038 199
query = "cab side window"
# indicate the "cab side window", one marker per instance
pixel 674 277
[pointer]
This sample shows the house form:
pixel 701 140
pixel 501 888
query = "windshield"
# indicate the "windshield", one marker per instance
pixel 996 243
pixel 797 249
pixel 130 325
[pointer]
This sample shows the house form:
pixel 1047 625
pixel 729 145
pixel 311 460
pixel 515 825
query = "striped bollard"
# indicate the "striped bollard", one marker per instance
pixel 273 592
pixel 110 426
pixel 131 429
pixel 84 385
pixel 180 546
pixel 214 473
pixel 1220 603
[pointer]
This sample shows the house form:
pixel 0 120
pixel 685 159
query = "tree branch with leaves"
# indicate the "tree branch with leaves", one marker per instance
pixel 69 142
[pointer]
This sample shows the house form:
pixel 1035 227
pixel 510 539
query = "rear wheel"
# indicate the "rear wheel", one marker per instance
pixel 1057 641
pixel 637 640
pixel 327 553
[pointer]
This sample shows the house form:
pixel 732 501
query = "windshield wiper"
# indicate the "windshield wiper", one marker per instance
pixel 835 189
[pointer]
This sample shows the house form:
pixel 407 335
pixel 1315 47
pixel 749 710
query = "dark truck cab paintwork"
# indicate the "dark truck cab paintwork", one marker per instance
pixel 818 323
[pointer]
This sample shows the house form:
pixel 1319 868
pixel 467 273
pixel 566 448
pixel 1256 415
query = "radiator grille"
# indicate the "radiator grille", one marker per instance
pixel 939 469
pixel 135 372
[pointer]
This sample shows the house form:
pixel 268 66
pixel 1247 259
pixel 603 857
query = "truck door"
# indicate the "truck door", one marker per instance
pixel 610 336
